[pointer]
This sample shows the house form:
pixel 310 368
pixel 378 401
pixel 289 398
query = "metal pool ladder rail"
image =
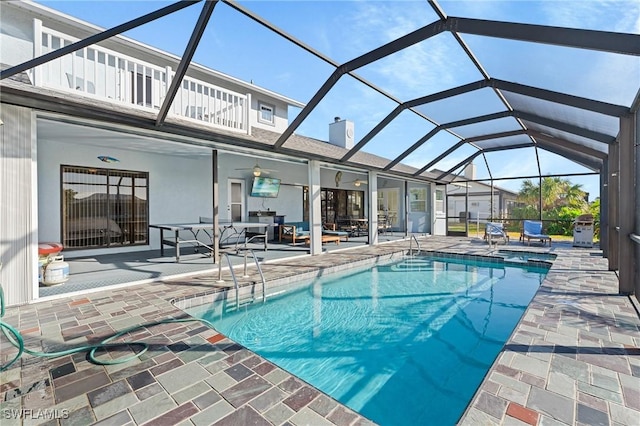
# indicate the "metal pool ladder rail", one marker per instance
pixel 411 240
pixel 233 274
pixel 255 259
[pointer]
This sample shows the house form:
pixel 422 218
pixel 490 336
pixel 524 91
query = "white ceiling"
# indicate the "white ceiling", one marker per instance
pixel 57 131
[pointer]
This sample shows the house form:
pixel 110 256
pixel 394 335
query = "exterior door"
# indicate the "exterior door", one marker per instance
pixel 236 207
pixel 457 216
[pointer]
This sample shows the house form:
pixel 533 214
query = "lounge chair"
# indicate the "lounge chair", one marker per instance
pixel 495 231
pixel 299 232
pixel 330 229
pixel 532 230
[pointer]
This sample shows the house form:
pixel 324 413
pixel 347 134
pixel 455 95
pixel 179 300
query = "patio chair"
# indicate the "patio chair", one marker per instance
pixel 532 230
pixel 495 231
pixel 294 231
pixel 383 224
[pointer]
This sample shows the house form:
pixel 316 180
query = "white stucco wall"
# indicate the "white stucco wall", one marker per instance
pixel 289 201
pixel 180 189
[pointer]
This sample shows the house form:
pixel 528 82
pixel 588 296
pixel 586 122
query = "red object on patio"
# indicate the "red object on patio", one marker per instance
pixel 45 249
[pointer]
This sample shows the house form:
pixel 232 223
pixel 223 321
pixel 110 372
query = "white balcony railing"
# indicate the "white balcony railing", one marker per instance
pixel 110 76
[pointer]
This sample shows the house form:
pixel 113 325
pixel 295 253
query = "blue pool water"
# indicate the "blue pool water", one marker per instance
pixel 402 344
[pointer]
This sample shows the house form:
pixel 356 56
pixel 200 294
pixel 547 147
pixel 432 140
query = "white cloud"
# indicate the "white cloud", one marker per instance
pixel 420 69
pixel 605 15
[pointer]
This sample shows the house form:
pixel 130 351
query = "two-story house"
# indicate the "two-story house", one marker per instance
pixel 86 163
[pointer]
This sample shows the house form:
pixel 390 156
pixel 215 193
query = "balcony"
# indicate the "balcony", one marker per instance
pixel 113 77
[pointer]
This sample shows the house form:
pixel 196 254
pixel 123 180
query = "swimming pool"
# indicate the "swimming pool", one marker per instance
pixel 401 343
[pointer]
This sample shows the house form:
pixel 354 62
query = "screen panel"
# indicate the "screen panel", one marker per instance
pixel 471 104
pixel 504 124
pixel 579 117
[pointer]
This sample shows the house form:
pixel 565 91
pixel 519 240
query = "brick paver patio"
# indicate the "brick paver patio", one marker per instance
pixel 573 359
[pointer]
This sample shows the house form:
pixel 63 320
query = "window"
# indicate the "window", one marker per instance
pixel 440 201
pixel 103 207
pixel 266 113
pixel 418 199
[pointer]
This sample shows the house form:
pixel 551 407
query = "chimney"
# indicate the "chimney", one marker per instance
pixel 470 171
pixel 341 133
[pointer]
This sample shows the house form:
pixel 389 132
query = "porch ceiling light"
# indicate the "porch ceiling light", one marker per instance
pixel 256 170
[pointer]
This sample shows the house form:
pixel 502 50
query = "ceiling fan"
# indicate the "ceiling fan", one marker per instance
pixel 257 170
pixel 358 182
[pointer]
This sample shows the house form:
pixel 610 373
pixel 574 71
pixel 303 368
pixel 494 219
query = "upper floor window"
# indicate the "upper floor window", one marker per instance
pixel 266 113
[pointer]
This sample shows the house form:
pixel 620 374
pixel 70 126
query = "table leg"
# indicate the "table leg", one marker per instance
pixel 177 247
pixel 161 242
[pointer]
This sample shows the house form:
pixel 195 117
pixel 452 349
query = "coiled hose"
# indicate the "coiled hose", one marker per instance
pixel 15 338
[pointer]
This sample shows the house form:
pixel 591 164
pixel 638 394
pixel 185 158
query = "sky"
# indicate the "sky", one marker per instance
pixel 343 30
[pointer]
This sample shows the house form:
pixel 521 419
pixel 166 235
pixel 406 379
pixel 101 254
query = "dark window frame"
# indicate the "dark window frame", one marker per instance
pixel 109 219
pixel 336 204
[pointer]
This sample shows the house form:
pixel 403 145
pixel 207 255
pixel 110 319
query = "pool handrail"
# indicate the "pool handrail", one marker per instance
pixel 255 259
pixel 233 276
pixel 411 239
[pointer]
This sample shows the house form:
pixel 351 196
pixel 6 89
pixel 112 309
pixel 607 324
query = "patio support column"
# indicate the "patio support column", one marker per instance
pixel 215 203
pixel 491 218
pixel 627 204
pixel 636 145
pixel 540 196
pixel 466 209
pixel 315 213
pixel 373 208
pixel 604 208
pixel 612 191
pixel 406 208
pixel 18 205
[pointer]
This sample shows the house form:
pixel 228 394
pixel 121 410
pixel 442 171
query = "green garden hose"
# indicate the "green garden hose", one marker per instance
pixel 15 338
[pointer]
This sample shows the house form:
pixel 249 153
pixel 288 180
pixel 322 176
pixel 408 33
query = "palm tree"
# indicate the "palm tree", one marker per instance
pixel 576 197
pixel 529 193
pixel 556 193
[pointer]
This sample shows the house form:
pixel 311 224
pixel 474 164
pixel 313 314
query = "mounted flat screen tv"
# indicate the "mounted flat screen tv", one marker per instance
pixel 265 187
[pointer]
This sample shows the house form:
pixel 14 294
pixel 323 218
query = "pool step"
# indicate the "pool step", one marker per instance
pixel 413 265
pixel 243 302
